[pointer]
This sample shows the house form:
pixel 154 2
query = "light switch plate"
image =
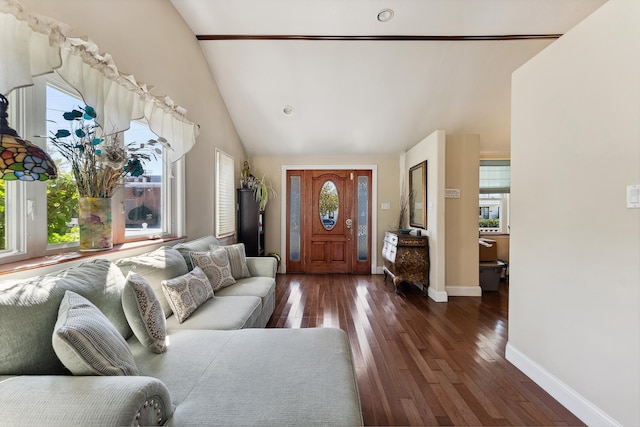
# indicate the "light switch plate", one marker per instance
pixel 633 196
pixel 451 193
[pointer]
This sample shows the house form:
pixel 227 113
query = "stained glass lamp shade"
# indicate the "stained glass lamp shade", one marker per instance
pixel 20 160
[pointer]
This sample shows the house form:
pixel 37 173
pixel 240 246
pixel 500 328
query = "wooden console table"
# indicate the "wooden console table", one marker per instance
pixel 406 259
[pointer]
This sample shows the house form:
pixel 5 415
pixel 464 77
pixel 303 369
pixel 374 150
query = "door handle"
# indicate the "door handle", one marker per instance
pixel 349 223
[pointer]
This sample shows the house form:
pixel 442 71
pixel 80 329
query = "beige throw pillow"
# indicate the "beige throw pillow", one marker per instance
pixel 237 260
pixel 144 313
pixel 215 265
pixel 87 343
pixel 187 293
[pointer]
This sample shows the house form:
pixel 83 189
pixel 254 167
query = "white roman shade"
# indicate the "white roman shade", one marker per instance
pixel 32 45
pixel 495 176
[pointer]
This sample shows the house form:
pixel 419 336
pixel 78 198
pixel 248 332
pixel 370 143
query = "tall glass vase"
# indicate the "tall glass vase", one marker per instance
pixel 95 224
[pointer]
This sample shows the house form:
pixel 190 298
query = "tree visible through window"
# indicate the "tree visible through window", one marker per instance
pixel 62 194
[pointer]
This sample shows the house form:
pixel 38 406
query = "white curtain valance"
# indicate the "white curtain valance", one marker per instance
pixel 32 45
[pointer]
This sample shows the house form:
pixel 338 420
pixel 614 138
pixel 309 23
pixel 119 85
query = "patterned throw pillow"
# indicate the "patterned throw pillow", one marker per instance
pixel 144 313
pixel 215 265
pixel 87 343
pixel 237 260
pixel 187 293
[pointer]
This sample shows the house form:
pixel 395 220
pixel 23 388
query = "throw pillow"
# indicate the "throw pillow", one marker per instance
pixel 237 260
pixel 187 293
pixel 87 343
pixel 144 313
pixel 162 264
pixel 215 265
pixel 197 245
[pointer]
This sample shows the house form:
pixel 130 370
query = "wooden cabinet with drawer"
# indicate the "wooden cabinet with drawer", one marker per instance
pixel 406 259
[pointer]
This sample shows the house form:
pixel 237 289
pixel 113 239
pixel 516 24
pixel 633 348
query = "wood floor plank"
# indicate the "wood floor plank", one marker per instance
pixel 418 362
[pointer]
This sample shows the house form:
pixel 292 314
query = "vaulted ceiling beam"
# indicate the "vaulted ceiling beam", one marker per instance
pixel 376 37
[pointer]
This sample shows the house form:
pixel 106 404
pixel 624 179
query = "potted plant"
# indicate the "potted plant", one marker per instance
pixel 263 191
pixel 99 163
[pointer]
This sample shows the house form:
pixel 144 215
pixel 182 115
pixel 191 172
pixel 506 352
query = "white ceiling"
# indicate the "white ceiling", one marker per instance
pixel 373 97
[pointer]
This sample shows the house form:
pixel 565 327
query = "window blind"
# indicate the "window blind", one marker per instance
pixel 225 195
pixel 495 176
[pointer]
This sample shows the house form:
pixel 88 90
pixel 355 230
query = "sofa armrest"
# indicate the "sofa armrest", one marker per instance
pixel 265 266
pixel 88 401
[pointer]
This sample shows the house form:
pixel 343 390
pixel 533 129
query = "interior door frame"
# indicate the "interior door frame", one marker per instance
pixel 374 204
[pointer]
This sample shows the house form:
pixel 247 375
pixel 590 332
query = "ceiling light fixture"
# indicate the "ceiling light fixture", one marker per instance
pixel 385 15
pixel 288 110
pixel 20 160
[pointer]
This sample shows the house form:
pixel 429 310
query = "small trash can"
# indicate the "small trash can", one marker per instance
pixel 490 273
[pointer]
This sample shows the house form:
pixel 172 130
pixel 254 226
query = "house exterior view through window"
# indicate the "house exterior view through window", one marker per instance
pixel 495 187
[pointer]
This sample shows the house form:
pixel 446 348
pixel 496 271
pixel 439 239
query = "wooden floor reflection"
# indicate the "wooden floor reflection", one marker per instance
pixel 419 362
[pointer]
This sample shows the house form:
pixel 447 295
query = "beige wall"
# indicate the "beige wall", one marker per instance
pixel 574 307
pixel 432 149
pixel 387 192
pixel 149 39
pixel 461 215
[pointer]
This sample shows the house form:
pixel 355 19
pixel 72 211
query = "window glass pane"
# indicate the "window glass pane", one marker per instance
pixel 493 213
pixel 294 218
pixel 62 195
pixel 328 205
pixel 143 200
pixel 363 218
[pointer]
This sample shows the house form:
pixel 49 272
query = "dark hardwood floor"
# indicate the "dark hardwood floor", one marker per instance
pixel 419 362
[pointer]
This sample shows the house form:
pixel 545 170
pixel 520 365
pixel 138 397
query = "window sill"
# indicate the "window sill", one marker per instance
pixel 496 234
pixel 118 251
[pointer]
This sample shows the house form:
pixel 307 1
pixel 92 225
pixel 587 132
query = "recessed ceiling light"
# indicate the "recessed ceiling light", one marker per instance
pixel 288 110
pixel 385 15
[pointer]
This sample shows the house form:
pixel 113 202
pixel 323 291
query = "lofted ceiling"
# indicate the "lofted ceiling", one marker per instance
pixel 349 87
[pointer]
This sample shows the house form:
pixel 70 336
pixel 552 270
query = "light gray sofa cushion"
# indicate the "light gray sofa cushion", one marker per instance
pixel 197 245
pixel 29 310
pixel 187 292
pixel 144 313
pixel 262 287
pixel 87 343
pixel 221 314
pixel 266 377
pixel 162 264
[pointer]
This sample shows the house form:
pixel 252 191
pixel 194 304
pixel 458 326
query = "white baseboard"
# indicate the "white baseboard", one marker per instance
pixel 464 291
pixel 437 296
pixel 588 413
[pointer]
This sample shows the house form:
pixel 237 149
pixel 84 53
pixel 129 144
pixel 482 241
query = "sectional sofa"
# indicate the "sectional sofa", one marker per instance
pixel 108 344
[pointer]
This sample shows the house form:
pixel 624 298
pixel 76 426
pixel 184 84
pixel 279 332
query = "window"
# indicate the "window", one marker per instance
pixel 28 209
pixel 225 197
pixel 495 187
pixel 62 195
pixel 145 204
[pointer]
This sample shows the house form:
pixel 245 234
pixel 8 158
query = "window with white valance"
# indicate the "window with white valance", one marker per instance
pixel 32 45
pixel 37 49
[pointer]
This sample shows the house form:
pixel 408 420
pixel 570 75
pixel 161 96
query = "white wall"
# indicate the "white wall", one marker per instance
pixel 149 39
pixel 574 318
pixel 432 149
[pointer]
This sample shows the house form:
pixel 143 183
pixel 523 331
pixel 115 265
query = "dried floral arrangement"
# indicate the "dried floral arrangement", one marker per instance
pixel 100 162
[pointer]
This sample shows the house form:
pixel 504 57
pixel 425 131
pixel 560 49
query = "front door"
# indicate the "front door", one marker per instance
pixel 329 225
